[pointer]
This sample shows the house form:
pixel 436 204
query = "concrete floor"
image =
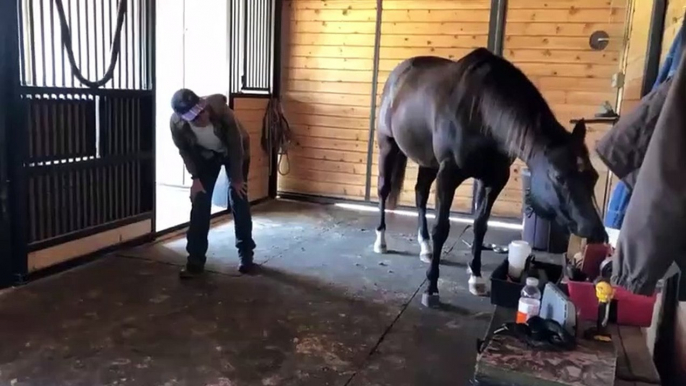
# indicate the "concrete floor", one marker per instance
pixel 325 310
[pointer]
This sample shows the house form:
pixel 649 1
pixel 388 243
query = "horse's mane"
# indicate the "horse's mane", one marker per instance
pixel 508 105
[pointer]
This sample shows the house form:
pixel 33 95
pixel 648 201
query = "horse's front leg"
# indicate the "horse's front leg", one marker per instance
pixel 449 178
pixel 486 194
pixel 422 189
pixel 380 243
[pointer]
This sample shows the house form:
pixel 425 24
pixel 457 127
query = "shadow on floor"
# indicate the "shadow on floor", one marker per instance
pixel 324 310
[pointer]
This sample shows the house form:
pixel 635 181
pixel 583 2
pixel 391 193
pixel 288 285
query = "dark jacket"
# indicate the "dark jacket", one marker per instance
pixel 624 146
pixel 647 148
pixel 227 128
pixel 621 195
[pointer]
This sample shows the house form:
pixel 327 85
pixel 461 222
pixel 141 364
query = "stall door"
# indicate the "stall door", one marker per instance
pixel 8 78
pixel 87 152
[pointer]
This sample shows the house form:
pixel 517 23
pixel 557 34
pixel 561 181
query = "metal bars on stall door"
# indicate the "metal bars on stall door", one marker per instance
pixel 87 149
pixel 251 31
pixel 92 26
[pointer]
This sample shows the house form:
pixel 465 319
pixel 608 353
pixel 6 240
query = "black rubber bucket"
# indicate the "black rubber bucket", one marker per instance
pixel 541 234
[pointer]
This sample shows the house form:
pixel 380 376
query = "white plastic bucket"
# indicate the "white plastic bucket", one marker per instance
pixel 519 251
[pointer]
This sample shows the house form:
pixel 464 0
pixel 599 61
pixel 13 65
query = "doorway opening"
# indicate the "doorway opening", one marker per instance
pixel 212 47
pixel 192 47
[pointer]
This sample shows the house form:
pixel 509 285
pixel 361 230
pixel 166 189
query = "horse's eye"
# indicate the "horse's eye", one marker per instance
pixel 557 177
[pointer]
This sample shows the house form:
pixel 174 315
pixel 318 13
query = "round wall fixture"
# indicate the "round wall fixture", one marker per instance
pixel 599 40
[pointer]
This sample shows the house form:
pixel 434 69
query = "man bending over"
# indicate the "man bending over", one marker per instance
pixel 208 136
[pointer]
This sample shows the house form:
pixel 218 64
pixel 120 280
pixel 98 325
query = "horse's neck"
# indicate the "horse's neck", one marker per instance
pixel 529 144
pixel 524 146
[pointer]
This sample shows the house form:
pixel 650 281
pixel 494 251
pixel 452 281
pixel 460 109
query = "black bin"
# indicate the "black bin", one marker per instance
pixel 505 293
pixel 541 234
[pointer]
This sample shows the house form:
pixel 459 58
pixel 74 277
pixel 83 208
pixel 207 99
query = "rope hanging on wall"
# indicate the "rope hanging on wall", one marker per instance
pixel 276 135
pixel 115 48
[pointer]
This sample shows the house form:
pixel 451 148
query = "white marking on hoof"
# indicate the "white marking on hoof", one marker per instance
pixel 431 300
pixel 380 243
pixel 425 249
pixel 477 285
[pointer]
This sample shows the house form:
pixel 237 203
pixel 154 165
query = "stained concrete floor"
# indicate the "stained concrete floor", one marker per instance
pixel 325 310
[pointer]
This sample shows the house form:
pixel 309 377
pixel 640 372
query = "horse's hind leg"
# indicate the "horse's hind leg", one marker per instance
pixel 449 178
pixel 422 189
pixel 388 152
pixel 486 194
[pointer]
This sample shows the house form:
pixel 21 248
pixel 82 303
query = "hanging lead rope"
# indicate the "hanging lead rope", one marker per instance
pixel 115 48
pixel 276 134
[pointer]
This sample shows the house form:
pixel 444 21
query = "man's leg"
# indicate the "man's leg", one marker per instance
pixel 242 219
pixel 200 220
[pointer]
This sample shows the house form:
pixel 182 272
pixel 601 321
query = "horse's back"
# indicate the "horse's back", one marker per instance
pixel 408 72
pixel 420 81
pixel 424 90
pixel 406 103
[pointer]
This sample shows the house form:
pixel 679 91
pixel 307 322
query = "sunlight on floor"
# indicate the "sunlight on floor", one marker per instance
pixel 463 220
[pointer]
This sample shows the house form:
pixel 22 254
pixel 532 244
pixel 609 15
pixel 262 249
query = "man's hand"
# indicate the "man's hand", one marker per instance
pixel 196 188
pixel 241 188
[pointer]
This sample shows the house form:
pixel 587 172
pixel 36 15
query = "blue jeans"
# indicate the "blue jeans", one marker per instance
pixel 201 211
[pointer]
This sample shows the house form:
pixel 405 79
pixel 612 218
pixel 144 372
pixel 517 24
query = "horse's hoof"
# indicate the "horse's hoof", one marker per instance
pixel 431 300
pixel 380 242
pixel 425 257
pixel 477 286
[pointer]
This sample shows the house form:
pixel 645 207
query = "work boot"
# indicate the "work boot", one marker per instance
pixel 191 272
pixel 246 264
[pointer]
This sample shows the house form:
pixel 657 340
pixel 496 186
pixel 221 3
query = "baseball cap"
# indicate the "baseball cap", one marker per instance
pixel 187 104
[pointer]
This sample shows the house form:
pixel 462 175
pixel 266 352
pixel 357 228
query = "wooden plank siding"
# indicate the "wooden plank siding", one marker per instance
pixel 549 42
pixel 328 60
pixel 448 29
pixel 638 45
pixel 250 111
pixel 634 65
pixel 327 82
pixel 673 19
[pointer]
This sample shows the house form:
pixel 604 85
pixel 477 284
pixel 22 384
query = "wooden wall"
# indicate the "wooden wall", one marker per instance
pixel 673 19
pixel 250 111
pixel 327 81
pixel 634 66
pixel 327 74
pixel 449 29
pixel 549 42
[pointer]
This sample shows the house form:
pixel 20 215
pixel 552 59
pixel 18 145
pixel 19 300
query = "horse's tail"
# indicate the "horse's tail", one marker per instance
pixel 397 177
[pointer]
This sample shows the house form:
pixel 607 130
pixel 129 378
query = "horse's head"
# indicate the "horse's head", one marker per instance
pixel 562 187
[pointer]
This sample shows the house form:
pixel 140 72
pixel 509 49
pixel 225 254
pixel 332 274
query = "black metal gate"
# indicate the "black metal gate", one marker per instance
pixel 8 92
pixel 84 158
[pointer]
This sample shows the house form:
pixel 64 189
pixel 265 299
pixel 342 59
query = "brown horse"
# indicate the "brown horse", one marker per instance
pixel 472 118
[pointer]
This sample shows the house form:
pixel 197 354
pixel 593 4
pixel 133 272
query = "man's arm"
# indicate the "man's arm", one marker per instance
pixel 183 150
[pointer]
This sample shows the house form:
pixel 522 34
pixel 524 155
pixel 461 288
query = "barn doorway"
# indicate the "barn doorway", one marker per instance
pixel 192 54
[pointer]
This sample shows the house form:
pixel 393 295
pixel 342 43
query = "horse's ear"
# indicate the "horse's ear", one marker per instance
pixel 579 132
